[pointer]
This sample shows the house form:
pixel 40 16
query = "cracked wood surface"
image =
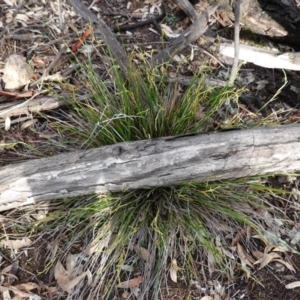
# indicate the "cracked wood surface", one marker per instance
pixel 152 163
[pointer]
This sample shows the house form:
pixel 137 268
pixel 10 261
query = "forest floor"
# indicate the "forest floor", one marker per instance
pixel 23 31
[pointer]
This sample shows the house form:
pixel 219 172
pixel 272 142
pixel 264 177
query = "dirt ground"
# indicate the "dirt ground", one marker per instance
pixel 261 85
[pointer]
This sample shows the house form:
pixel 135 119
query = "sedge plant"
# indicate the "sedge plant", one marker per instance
pixel 161 234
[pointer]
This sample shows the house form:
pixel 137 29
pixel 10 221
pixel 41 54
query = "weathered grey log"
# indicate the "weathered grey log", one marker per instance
pixel 152 163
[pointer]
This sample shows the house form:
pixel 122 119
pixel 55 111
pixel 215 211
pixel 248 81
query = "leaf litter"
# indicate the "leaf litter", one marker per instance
pixel 67 277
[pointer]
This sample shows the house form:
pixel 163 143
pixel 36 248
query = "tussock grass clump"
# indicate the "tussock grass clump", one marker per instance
pixel 164 233
pixel 115 112
pixel 146 231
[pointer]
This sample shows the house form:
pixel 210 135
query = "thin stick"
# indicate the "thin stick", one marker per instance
pixel 235 64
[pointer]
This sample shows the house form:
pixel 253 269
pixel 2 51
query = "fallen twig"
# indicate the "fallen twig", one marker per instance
pixel 188 9
pixel 188 36
pixel 235 64
pixel 268 58
pixel 190 80
pixel 107 35
pixel 135 81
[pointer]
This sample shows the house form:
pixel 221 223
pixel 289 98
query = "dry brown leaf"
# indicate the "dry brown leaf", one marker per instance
pixel 63 278
pixel 167 31
pixel 59 271
pixel 71 261
pixel 6 269
pixel 89 277
pixel 288 265
pixel 68 285
pixel 131 283
pixel 269 248
pixel 257 254
pixel 280 249
pixel 266 259
pixel 173 270
pixel 293 285
pixel 19 293
pixel 27 287
pixel 10 276
pixel 142 252
pixel 243 256
pixel 22 17
pixel 28 123
pixel 15 244
pixel 16 95
pixel 237 238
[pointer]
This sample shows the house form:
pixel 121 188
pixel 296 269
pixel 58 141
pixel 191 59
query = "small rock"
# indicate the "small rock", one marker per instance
pixel 17 72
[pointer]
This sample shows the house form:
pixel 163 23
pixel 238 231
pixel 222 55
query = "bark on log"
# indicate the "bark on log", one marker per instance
pixel 253 17
pixel 152 163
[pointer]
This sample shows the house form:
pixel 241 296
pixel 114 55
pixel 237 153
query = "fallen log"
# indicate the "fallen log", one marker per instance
pixel 152 163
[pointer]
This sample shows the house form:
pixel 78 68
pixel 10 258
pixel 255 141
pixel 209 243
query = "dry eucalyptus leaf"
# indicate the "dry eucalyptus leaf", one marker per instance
pixel 15 244
pixel 173 270
pixel 28 286
pixel 7 123
pixel 289 266
pixel 144 253
pixel 243 255
pixel 69 284
pixel 62 277
pixel 16 73
pixel 266 259
pixel 132 283
pixel 28 123
pixel 293 285
pixel 60 271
